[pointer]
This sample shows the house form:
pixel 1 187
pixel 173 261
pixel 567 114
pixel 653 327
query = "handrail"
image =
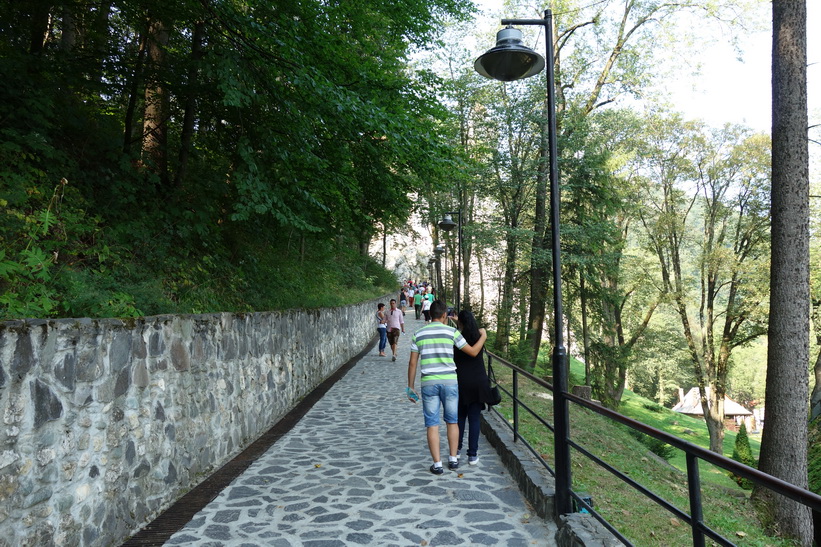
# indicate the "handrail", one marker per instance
pixel 693 453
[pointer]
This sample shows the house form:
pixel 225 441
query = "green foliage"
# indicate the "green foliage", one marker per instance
pixel 307 130
pixel 743 454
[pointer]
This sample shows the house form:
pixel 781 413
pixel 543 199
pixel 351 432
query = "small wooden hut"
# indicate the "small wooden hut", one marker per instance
pixel 734 413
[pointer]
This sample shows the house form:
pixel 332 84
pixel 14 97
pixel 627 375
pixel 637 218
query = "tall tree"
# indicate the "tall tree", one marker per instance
pixel 784 442
pixel 714 187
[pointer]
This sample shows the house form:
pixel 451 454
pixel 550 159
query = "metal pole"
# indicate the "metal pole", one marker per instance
pixel 694 487
pixel 561 411
pixel 459 265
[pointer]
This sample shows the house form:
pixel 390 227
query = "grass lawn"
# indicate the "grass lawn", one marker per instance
pixel 725 505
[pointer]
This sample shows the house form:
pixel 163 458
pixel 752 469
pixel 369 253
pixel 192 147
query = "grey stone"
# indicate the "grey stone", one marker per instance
pixel 140 377
pixel 218 532
pixel 225 517
pixel 119 353
pixel 159 412
pixel 88 367
pixel 66 371
pixel 359 539
pixel 242 492
pixel 23 358
pixel 130 452
pixel 38 496
pixel 330 517
pixel 483 539
pixel 47 406
pixel 179 356
pixel 123 382
pixel 142 469
pixel 2 376
pixel 138 348
pixel 447 537
pixel 156 345
pixel 171 476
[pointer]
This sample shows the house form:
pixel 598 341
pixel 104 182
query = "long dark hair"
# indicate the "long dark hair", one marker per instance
pixel 470 330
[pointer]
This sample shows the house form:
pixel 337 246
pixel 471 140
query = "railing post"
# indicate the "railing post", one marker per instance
pixel 694 486
pixel 515 406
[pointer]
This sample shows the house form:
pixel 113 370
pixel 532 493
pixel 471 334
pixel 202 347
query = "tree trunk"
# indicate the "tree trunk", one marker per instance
pixel 95 39
pixel 385 244
pixel 134 86
pixel 506 306
pixel 39 25
pixel 190 104
pixel 585 328
pixel 713 408
pixel 69 38
pixel 481 284
pixel 784 441
pixel 155 120
pixel 538 260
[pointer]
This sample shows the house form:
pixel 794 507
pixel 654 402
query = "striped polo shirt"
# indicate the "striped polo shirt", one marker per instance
pixel 434 344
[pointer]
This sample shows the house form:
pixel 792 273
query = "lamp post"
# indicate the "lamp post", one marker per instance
pixel 511 60
pixel 439 251
pixel 447 225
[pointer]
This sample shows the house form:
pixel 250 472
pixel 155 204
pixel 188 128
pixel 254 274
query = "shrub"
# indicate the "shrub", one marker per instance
pixel 656 446
pixel 653 407
pixel 743 454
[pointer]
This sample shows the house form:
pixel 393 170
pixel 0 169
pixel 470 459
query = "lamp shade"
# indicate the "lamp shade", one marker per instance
pixel 447 224
pixel 510 60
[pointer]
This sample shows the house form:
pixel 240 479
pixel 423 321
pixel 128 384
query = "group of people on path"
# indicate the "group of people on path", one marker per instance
pixel 453 376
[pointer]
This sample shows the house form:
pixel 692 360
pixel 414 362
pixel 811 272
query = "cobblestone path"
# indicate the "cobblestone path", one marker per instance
pixel 354 471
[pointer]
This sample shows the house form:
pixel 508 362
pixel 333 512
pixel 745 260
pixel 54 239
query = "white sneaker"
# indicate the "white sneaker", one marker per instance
pixel 473 460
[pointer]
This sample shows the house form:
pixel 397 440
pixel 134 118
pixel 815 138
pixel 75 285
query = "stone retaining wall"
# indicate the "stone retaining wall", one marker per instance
pixel 107 422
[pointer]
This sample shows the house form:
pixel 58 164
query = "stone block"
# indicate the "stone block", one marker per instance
pixel 23 359
pixel 47 406
pixel 140 377
pixel 119 353
pixel 66 371
pixel 585 392
pixel 180 357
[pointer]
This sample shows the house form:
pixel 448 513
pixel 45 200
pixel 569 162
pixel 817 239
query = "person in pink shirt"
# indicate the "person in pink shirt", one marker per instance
pixel 396 323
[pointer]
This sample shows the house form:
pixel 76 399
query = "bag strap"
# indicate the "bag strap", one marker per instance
pixel 490 375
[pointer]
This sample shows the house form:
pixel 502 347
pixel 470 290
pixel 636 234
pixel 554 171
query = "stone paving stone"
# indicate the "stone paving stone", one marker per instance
pixel 354 471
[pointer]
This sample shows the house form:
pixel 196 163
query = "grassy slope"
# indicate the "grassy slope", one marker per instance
pixel 726 507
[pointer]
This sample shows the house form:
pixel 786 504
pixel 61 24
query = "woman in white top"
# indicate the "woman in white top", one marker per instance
pixel 426 309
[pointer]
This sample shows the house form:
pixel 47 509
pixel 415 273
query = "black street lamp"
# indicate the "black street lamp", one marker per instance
pixel 439 250
pixel 447 225
pixel 511 60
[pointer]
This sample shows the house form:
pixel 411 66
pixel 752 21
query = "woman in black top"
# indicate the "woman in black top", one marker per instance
pixel 474 388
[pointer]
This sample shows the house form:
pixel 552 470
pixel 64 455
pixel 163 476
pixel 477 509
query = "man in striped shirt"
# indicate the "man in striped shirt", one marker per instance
pixel 432 350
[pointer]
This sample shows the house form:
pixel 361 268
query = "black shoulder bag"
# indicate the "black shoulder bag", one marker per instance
pixel 495 392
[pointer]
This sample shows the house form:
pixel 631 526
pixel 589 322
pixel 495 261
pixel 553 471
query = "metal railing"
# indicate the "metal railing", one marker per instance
pixel 693 453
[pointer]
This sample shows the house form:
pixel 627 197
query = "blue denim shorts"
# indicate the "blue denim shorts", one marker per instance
pixel 447 395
